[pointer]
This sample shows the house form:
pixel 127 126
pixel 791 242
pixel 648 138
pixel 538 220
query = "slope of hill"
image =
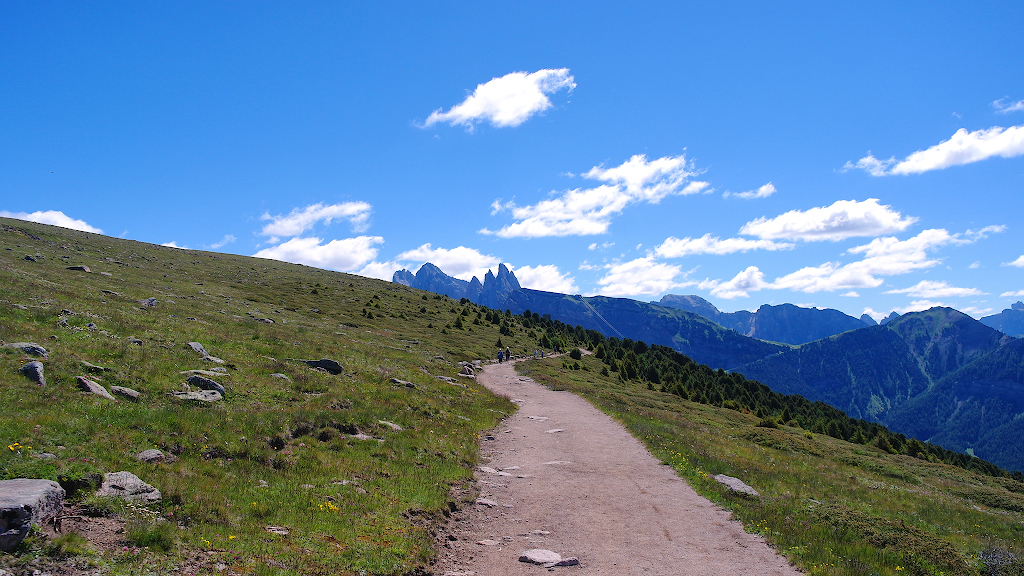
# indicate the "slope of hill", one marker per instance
pixel 938 375
pixel 786 323
pixel 1009 321
pixel 703 340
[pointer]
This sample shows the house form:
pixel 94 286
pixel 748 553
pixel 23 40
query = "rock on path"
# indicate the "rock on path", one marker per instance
pixel 591 494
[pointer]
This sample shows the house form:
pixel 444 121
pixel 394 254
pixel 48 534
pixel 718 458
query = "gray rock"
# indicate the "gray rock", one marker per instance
pixel 148 302
pixel 405 383
pixel 93 368
pixel 128 486
pixel 29 258
pixel 219 369
pixel 135 341
pixel 486 502
pixel 281 376
pixel 198 395
pixel 391 425
pixel 205 383
pixel 151 456
pixel 30 348
pixel 126 392
pixel 111 293
pixel 23 502
pixel 91 326
pixel 207 373
pixel 570 561
pixel 86 385
pixel 44 456
pixel 279 530
pixel 198 348
pixel 80 268
pixel 34 372
pixel 213 359
pixel 331 366
pixel 735 484
pixel 540 556
pixel 466 371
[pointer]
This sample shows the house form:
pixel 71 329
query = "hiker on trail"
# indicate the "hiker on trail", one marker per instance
pixel 500 357
pixel 508 353
pixel 534 353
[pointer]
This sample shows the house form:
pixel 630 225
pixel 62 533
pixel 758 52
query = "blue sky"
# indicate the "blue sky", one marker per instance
pixel 864 157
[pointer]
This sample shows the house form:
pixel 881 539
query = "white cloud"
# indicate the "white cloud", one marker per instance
pixel 962 148
pixel 932 289
pixel 975 311
pixel 640 277
pixel 547 277
pixel 673 247
pixel 851 294
pixel 461 262
pixel 918 305
pixel 381 270
pixel 227 239
pixel 749 280
pixel 343 255
pixel 1019 262
pixel 762 192
pixel 301 219
pixel 1006 108
pixel 173 244
pixel 973 235
pixel 604 246
pixel 52 217
pixel 506 101
pixel 1012 294
pixel 975 265
pixel 589 211
pixel 878 316
pixel 843 219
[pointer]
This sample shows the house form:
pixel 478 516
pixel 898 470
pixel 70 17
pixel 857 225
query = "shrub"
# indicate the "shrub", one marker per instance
pixel 155 535
pixel 575 354
pixel 65 545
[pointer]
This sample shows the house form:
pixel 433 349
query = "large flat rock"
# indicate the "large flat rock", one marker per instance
pixel 23 502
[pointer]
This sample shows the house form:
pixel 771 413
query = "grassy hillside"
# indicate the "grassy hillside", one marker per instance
pixel 832 506
pixel 274 451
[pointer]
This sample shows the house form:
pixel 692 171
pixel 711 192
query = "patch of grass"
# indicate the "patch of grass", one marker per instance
pixel 66 545
pixel 158 535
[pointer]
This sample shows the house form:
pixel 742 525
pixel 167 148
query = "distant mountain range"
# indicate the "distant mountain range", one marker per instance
pixel 937 375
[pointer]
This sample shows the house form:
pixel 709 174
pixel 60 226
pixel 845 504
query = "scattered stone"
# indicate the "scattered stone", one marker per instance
pixel 545 558
pixel 34 372
pixel 148 302
pixel 570 561
pixel 487 469
pixel 29 258
pixel 391 425
pixel 554 431
pixel 196 346
pixel 361 436
pixel 24 502
pixel 403 383
pixel 331 366
pixel 540 532
pixel 80 268
pixel 213 359
pixel 210 373
pixel 129 487
pixel 106 273
pixel 488 542
pixel 486 502
pixel 134 341
pixel 111 293
pixel 265 320
pixel 219 369
pixel 44 456
pixel 206 384
pixel 467 371
pixel 198 395
pixel 279 530
pixel 126 392
pixel 91 326
pixel 151 456
pixel 30 348
pixel 89 367
pixel 86 385
pixel 281 376
pixel 735 484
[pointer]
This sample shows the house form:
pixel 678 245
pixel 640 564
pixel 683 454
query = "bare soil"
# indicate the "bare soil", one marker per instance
pixel 565 477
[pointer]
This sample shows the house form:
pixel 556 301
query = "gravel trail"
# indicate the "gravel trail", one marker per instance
pixel 560 475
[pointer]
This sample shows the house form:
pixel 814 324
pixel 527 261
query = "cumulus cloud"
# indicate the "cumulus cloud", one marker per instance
pixel 173 244
pixel 962 148
pixel 547 277
pixel 1007 107
pixel 918 305
pixel 301 219
pixel 878 316
pixel 762 192
pixel 747 281
pixel 343 255
pixel 53 217
pixel 461 262
pixel 1019 262
pixel 673 247
pixel 974 235
pixel 381 270
pixel 507 101
pixel 932 289
pixel 975 311
pixel 586 211
pixel 843 219
pixel 227 239
pixel 640 277
pixel 851 294
pixel 1012 294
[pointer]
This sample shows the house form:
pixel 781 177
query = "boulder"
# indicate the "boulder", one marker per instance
pixel 30 348
pixel 148 302
pixel 151 456
pixel 540 556
pixel 205 383
pixel 90 367
pixel 128 486
pixel 735 484
pixel 198 348
pixel 126 392
pixel 331 366
pixel 23 502
pixel 207 373
pixel 213 359
pixel 281 376
pixel 198 395
pixel 466 371
pixel 86 385
pixel 34 372
pixel 80 268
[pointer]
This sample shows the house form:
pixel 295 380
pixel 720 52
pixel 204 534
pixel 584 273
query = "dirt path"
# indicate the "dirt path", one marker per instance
pixel 565 477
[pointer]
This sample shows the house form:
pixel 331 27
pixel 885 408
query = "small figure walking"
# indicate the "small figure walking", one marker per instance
pixel 508 353
pixel 500 356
